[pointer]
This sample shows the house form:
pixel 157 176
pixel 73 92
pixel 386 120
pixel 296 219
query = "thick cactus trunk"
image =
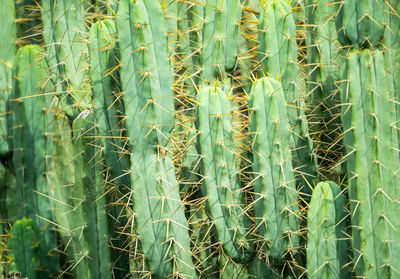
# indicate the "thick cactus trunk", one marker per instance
pixel 221 33
pixel 361 23
pixel 148 98
pixel 8 34
pixel 276 198
pixel 327 244
pixel 372 160
pixel 278 58
pixel 221 183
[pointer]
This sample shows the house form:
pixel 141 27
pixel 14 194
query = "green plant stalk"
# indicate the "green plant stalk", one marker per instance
pixel 107 115
pixel 160 219
pixel 89 179
pixel 68 199
pixel 146 76
pixel 170 9
pixel 361 24
pixel 278 54
pixel 221 183
pixel 276 199
pixel 221 33
pixel 30 143
pixel 324 66
pixel 326 245
pixel 66 45
pixel 7 55
pixel 370 140
pixel 146 79
pixel 22 245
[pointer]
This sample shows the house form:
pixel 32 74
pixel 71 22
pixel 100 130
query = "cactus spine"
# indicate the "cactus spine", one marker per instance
pixel 326 246
pixel 276 198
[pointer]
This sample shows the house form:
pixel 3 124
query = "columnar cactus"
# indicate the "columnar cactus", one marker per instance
pixel 146 79
pixel 64 33
pixel 24 245
pixel 7 55
pixel 278 58
pixel 221 184
pixel 29 139
pixel 221 33
pixel 327 252
pixel 107 116
pixel 372 161
pixel 324 80
pixel 361 24
pixel 276 198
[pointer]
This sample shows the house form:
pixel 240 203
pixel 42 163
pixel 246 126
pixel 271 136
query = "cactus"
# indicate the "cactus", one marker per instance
pixel 324 67
pixel 68 198
pixel 66 47
pixel 278 58
pixel 107 116
pixel 275 205
pixel 221 33
pixel 361 24
pixel 370 144
pixel 90 183
pixel 146 76
pixel 28 250
pixel 221 183
pixel 148 98
pixel 7 55
pixel 25 237
pixel 326 245
pixel 30 141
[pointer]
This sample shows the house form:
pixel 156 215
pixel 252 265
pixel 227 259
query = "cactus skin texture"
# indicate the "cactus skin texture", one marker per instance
pixel 28 250
pixel 361 23
pixel 278 54
pixel 146 79
pixel 276 197
pixel 90 182
pixel 326 246
pixel 221 34
pixel 107 116
pixel 7 55
pixel 372 158
pixel 30 141
pixel 68 206
pixel 221 183
pixel 146 76
pixel 64 36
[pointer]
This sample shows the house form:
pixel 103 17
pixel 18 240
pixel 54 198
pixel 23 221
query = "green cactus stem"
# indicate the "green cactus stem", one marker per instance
pixel 276 198
pixel 326 245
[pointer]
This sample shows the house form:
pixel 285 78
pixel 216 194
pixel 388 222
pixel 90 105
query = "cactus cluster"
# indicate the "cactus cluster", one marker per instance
pixel 199 139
